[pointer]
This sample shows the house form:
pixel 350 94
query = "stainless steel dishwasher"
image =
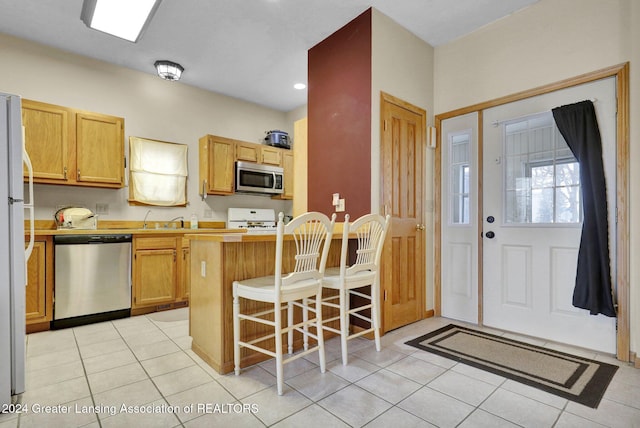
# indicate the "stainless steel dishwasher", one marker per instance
pixel 92 279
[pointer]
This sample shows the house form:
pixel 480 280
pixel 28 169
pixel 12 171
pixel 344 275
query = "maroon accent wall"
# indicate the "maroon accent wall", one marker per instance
pixel 339 112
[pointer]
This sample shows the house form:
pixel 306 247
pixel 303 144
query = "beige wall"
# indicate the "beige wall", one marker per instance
pixel 550 41
pixel 402 66
pixel 152 108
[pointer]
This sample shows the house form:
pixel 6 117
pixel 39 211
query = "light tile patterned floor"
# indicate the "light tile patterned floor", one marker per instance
pixel 93 371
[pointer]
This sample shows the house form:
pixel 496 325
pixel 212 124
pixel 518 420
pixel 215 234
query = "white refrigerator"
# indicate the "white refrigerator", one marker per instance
pixel 13 255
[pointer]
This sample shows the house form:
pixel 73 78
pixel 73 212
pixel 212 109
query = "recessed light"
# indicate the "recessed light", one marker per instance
pixel 299 86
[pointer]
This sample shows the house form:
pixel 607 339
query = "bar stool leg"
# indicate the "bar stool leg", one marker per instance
pixel 236 333
pixel 279 365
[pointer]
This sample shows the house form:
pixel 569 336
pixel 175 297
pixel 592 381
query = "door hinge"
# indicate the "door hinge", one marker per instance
pixel 385 295
pixel 384 123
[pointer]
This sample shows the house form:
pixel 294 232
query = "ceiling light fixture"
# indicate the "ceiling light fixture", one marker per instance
pixel 126 19
pixel 299 86
pixel 169 70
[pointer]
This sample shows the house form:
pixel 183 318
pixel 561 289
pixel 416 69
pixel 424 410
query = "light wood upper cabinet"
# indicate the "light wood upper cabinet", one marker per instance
pixel 270 155
pixel 47 137
pixel 247 152
pixel 287 165
pixel 216 165
pixel 73 147
pixel 100 149
pixel 257 153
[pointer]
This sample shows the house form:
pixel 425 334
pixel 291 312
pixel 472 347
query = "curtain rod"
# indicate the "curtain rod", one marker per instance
pixel 500 122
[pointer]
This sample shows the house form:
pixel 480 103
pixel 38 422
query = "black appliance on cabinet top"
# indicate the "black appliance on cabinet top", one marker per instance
pixel 277 138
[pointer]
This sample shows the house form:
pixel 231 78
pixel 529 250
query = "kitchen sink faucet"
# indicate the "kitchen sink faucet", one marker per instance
pixel 181 218
pixel 144 222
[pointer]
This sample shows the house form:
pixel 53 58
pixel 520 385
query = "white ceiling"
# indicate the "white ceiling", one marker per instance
pixel 249 49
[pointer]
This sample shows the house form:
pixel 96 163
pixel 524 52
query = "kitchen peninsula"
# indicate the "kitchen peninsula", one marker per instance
pixel 217 260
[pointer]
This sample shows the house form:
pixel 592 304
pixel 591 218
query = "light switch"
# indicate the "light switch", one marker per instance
pixel 203 269
pixel 340 206
pixel 336 198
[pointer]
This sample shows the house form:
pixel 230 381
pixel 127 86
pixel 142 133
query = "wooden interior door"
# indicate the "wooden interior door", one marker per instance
pixel 403 259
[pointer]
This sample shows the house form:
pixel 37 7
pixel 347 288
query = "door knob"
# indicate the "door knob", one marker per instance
pixel 490 235
pixel 419 226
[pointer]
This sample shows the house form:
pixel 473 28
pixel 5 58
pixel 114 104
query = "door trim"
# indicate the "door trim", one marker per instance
pixel 621 72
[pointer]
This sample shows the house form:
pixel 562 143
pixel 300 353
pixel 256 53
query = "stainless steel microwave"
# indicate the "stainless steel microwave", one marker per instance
pixel 258 178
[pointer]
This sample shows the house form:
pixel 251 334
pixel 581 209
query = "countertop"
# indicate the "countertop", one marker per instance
pixel 135 231
pixel 229 236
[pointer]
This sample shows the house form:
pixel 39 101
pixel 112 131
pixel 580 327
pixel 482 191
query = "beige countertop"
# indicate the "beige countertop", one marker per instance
pixel 135 231
pixel 231 236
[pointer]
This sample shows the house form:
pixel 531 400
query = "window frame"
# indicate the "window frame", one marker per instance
pixel 554 160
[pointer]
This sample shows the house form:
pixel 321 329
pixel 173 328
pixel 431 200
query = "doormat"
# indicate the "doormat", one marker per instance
pixel 575 378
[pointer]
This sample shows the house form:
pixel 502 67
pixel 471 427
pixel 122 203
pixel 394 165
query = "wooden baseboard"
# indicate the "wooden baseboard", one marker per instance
pixel 39 326
pixel 429 313
pixel 635 360
pixel 157 308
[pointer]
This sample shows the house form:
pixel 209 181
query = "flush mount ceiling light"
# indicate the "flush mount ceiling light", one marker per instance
pixel 169 70
pixel 126 19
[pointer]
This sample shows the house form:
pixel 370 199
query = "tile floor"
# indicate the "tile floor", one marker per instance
pixel 145 365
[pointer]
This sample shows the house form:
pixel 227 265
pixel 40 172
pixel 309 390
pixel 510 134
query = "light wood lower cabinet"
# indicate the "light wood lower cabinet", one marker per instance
pixel 159 273
pixel 39 287
pixel 155 271
pixel 184 287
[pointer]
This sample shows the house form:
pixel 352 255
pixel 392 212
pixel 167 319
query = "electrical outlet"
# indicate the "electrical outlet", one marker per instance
pixel 102 209
pixel 203 268
pixel 340 206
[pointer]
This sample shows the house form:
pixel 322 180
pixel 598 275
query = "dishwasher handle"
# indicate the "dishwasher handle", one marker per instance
pixel 91 239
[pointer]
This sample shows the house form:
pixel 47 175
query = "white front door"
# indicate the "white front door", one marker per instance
pixel 532 218
pixel 459 231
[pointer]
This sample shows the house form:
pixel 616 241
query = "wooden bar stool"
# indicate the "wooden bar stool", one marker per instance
pixel 370 231
pixel 302 287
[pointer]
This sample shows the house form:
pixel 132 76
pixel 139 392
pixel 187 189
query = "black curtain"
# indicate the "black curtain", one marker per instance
pixel 579 127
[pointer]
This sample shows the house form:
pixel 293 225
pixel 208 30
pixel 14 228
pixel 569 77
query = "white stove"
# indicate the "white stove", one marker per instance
pixel 255 220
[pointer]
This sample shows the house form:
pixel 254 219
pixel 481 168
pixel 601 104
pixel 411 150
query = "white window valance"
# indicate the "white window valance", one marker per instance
pixel 158 172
